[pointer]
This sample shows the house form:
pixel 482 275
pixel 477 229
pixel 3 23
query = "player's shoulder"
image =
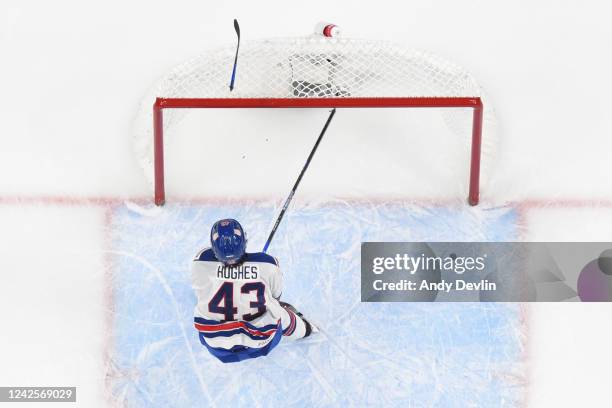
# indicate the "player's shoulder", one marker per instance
pixel 206 255
pixel 261 257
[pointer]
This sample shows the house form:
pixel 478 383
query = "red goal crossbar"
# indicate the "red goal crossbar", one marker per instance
pixel 410 102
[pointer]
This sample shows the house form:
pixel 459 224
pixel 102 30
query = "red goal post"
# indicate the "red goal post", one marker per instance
pixel 328 102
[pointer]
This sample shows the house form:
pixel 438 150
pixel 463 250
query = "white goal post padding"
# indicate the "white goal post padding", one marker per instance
pixel 316 67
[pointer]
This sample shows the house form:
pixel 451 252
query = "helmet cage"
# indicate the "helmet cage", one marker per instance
pixel 228 241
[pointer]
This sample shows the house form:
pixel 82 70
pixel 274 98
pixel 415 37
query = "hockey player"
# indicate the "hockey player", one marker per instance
pixel 239 315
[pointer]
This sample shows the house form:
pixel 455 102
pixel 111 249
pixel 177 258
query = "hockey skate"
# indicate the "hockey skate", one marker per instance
pixel 310 328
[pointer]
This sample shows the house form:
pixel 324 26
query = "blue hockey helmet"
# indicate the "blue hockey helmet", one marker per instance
pixel 228 241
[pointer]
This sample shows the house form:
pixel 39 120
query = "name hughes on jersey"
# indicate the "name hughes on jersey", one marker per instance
pixel 237 272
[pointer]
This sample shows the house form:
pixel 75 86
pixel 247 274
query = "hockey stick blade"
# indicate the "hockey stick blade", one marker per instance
pixel 237 28
pixel 297 182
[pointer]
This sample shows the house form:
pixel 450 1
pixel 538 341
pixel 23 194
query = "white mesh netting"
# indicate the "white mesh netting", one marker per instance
pixel 316 67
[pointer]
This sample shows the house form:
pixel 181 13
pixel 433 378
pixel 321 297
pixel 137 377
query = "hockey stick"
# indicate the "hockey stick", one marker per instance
pixel 237 28
pixel 297 182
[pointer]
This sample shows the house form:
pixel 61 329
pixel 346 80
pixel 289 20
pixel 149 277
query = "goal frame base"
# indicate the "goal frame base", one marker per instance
pixel 401 102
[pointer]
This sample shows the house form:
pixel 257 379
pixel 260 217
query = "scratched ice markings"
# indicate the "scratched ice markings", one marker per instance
pixel 400 354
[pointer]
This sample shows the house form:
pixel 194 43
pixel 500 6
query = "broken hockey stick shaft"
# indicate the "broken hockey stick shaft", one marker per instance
pixel 297 182
pixel 237 28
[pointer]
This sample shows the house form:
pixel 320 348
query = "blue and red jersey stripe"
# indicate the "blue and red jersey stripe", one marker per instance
pixel 212 328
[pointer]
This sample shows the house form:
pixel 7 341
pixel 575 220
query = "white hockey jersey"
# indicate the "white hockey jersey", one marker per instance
pixel 236 306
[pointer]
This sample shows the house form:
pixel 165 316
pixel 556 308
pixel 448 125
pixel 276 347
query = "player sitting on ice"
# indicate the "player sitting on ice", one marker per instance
pixel 239 315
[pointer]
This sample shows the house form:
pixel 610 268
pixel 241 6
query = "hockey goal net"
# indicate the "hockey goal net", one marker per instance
pixel 317 72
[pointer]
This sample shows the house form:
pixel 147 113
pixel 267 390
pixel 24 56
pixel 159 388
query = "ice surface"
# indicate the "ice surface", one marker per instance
pixel 384 354
pixel 72 77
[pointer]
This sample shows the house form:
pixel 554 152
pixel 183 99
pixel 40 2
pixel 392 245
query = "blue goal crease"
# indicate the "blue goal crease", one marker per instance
pixel 375 354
